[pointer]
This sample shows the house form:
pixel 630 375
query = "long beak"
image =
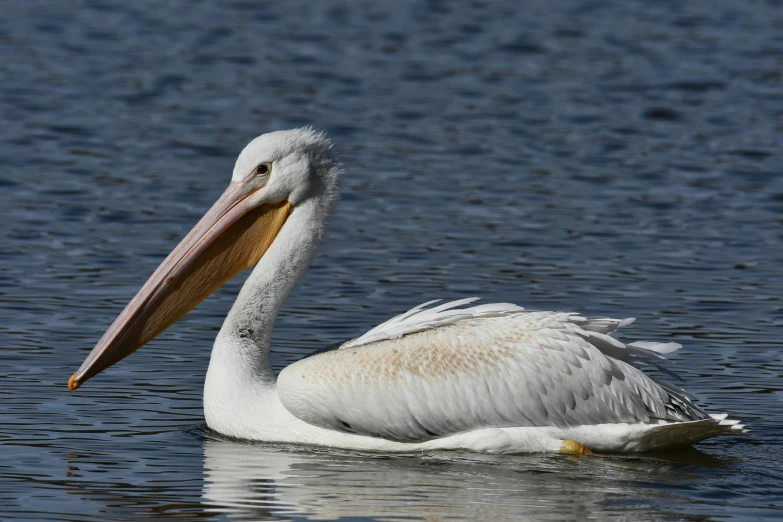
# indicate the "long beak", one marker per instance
pixel 231 237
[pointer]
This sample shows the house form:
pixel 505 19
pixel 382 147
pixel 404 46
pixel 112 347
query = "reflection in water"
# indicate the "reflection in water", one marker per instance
pixel 254 481
pixel 190 473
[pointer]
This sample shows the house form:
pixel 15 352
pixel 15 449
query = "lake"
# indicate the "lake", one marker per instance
pixel 619 159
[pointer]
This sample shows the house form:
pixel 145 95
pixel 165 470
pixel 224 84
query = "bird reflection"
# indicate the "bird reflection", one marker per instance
pixel 255 481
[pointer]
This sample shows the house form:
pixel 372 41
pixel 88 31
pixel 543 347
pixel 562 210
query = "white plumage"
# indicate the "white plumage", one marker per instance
pixel 491 377
pixel 443 371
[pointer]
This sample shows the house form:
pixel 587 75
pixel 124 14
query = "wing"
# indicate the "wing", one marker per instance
pixel 453 370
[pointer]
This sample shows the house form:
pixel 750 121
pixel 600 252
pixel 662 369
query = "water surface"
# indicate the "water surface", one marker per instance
pixel 616 159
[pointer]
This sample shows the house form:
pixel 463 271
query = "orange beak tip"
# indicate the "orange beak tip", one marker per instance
pixel 72 383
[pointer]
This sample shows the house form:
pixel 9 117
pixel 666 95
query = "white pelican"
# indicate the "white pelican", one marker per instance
pixel 493 378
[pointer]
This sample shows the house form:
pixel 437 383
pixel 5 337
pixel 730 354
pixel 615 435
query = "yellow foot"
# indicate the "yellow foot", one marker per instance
pixel 572 447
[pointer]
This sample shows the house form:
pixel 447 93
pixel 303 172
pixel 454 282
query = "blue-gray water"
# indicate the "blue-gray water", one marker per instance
pixel 606 158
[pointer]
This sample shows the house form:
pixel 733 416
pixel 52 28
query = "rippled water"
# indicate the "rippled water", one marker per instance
pixel 620 159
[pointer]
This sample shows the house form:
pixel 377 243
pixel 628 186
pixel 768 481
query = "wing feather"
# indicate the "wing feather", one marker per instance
pixel 438 371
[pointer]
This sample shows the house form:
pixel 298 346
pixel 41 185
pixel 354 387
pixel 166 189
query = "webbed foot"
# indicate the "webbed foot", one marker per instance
pixel 572 447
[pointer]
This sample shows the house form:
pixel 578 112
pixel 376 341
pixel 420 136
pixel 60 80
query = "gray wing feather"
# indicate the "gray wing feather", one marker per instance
pixel 520 368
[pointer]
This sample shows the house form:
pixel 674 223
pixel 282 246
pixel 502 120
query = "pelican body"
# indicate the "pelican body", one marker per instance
pixel 494 377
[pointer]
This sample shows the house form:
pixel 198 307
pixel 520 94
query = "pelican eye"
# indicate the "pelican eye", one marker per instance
pixel 264 169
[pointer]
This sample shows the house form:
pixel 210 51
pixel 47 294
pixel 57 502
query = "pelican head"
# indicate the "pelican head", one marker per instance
pixel 274 175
